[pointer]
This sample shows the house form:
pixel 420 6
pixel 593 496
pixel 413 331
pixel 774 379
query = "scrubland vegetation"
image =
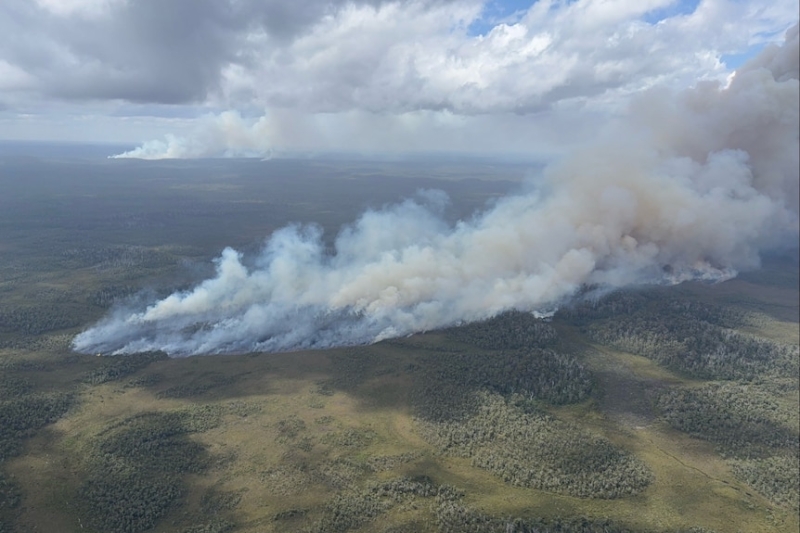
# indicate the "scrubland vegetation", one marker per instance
pixel 528 448
pixel 513 330
pixel 23 411
pixel 740 419
pixel 445 386
pixel 758 435
pixel 135 468
pixel 116 368
pixel 455 517
pixel 693 338
pixel 505 425
pixel 21 417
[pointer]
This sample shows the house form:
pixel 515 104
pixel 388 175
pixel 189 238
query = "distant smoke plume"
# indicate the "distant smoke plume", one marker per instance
pixel 227 134
pixel 692 185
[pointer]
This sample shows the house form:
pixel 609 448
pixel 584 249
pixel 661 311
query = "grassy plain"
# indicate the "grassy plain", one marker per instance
pixel 327 441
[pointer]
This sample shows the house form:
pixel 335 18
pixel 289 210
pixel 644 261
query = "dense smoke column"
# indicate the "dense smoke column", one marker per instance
pixel 694 184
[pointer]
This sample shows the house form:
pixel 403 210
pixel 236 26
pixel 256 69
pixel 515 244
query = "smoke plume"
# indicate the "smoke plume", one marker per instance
pixel 693 184
pixel 227 134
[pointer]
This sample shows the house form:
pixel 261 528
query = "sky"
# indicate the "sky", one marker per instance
pixel 200 78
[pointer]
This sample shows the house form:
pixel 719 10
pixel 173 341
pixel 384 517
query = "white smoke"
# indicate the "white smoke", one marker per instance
pixel 226 134
pixel 692 185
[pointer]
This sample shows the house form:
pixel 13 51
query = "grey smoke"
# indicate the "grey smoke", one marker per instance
pixel 701 181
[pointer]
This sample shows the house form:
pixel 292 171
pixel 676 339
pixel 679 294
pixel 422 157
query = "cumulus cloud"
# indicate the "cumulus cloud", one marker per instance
pixel 149 51
pixel 371 55
pixel 390 65
pixel 691 184
pixel 414 55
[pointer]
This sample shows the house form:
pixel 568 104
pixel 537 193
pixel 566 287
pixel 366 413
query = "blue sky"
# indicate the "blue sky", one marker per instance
pixel 510 11
pixel 734 61
pixel 498 11
pixel 683 7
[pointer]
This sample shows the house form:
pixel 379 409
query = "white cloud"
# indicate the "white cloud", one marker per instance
pixel 399 58
pixel 378 63
pixel 86 8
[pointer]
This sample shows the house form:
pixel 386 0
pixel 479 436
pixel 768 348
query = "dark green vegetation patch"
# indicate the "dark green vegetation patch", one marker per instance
pixel 776 477
pixel 35 320
pixel 12 386
pixel 446 382
pixel 116 368
pixel 22 412
pixel 759 435
pixel 21 417
pixel 531 449
pixel 513 330
pixel 10 498
pixel 694 338
pixel 740 419
pixel 135 468
pixel 454 516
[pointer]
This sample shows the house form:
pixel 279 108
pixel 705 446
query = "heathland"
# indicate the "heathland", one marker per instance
pixel 653 409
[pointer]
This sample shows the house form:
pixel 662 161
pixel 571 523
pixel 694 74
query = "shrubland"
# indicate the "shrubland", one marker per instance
pixel 529 448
